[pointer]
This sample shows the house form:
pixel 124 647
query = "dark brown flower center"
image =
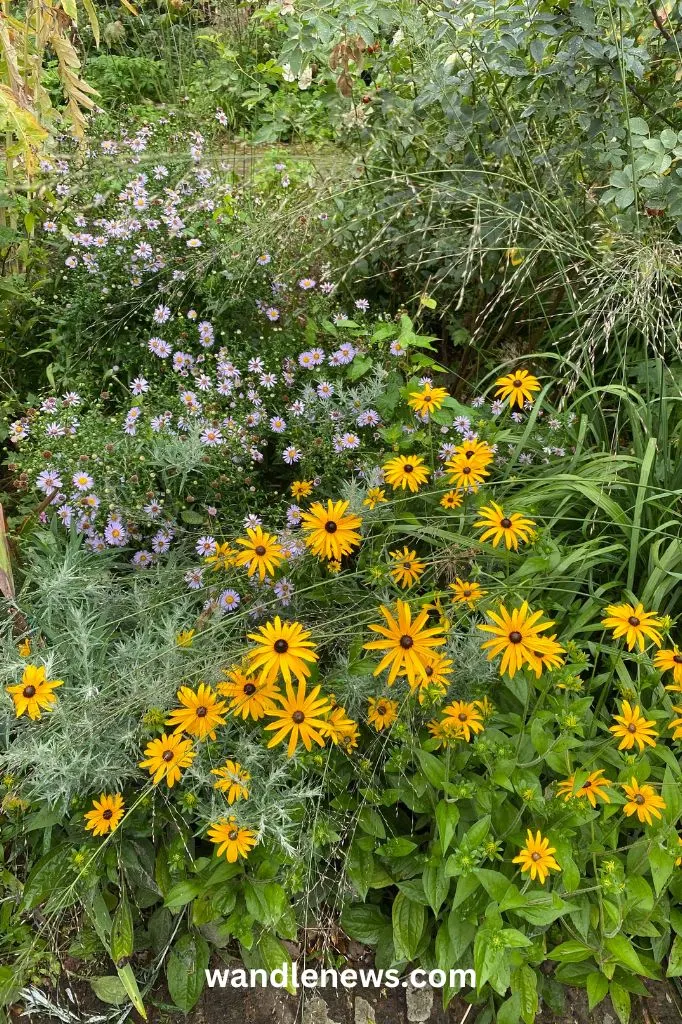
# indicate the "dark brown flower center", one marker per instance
pixel 281 646
pixel 107 814
pixel 677 658
pixel 466 470
pixel 406 642
pixel 201 712
pixel 408 467
pixel 535 856
pixel 29 691
pixel 639 799
pixel 467 593
pixel 469 453
pixel 298 717
pixel 331 527
pixel 462 716
pixel 249 689
pixel 167 755
pixel 428 671
pixel 260 550
pixel 407 565
pixel 586 784
pixel 381 709
pixel 233 835
pixel 515 637
pixel 633 620
pixel 632 727
pixel 505 523
pixel 518 383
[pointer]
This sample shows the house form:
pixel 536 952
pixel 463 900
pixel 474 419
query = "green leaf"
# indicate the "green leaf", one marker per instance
pixel 371 822
pixel 409 920
pixel 597 989
pixel 494 882
pixel 436 885
pixel 10 985
pixel 675 959
pixel 109 989
pixel 524 983
pixel 47 877
pixel 275 956
pixel 397 847
pixel 363 922
pixel 620 999
pixel 571 952
pixel 433 768
pixel 122 933
pixel 447 816
pixel 622 950
pixel 662 865
pixel 181 894
pixel 187 962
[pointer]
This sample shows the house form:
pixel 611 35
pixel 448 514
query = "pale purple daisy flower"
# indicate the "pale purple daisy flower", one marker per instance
pixel 194 579
pixel 82 481
pixel 229 600
pixel 291 455
pixel 48 480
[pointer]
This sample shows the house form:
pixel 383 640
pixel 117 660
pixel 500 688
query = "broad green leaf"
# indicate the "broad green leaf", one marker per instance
pixel 187 962
pixel 409 920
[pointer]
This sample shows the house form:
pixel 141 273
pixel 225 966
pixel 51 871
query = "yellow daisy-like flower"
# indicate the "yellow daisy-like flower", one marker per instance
pixel 670 661
pixel 436 679
pixel 34 692
pixel 262 551
pixel 444 732
pixel 200 713
pixel 676 724
pixel 250 698
pixel 475 449
pixel 466 592
pixel 463 717
pixel 375 496
pixel 406 471
pixel 232 780
pixel 592 789
pixel 466 474
pixel 184 639
pixel 334 567
pixel 283 647
pixel 231 839
pixel 301 717
pixel 408 568
pixel 407 644
pixel 536 857
pixel 549 652
pixel 642 801
pixel 167 756
pixel 340 726
pixel 105 815
pixel 24 648
pixel 427 400
pixel 518 387
pixel 633 728
pixel 516 636
pixel 498 526
pixel 222 557
pixel 486 707
pixel 451 499
pixel 382 712
pixel 330 533
pixel 632 622
pixel 301 488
